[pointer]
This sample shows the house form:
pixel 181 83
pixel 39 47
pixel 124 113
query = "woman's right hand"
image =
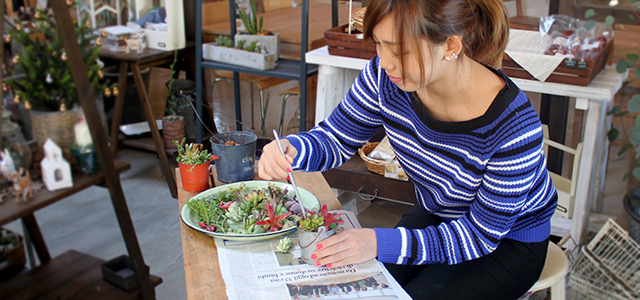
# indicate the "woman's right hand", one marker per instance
pixel 272 165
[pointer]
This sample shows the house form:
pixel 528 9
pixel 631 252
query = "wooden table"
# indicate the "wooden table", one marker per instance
pixel 201 267
pixel 336 74
pixel 286 21
pixel 134 62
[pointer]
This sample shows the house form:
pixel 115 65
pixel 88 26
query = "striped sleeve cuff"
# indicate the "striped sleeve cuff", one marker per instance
pixel 390 244
pixel 296 142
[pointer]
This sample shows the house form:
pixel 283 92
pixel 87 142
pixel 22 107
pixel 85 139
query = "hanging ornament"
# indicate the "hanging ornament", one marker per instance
pixel 37 15
pixel 63 56
pixel 49 80
pixel 100 74
pixel 115 91
pixel 16 99
pixel 53 54
pixel 107 92
pixel 4 87
pixel 87 24
pixel 63 107
pixel 71 2
pixel 104 34
pixel 18 27
pixel 15 60
pixel 7 39
pixel 27 105
pixel 98 42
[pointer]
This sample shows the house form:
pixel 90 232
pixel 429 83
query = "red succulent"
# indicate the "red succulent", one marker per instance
pixel 330 218
pixel 275 223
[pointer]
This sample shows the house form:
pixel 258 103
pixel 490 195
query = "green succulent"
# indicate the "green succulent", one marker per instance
pixel 250 23
pixel 284 245
pixel 192 154
pixel 311 223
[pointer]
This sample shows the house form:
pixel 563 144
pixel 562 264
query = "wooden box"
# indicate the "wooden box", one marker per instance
pixel 562 74
pixel 344 44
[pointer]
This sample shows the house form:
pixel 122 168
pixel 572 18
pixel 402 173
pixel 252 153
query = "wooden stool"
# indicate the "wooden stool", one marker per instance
pixel 292 92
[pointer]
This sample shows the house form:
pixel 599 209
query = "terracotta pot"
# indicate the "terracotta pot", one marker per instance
pixel 172 131
pixel 195 178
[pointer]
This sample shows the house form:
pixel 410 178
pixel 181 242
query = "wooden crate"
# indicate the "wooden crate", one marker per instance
pixel 562 74
pixel 344 44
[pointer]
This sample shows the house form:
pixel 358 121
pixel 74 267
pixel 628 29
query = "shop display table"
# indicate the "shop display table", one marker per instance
pixel 336 74
pixel 133 62
pixel 201 267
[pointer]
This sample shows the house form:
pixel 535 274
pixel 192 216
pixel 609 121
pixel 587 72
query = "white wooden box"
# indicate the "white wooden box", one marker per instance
pixel 174 37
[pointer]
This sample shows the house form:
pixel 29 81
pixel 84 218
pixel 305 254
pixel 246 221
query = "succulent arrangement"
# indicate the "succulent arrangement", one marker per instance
pixel 241 211
pixel 192 154
pixel 254 46
pixel 314 220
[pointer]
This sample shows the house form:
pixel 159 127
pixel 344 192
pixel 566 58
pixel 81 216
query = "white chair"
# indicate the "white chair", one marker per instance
pixel 553 275
pixel 566 187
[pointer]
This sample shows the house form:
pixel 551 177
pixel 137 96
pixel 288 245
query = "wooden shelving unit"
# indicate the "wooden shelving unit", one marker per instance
pixel 74 275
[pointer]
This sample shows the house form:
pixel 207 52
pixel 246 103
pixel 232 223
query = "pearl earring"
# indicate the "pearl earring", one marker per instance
pixel 448 58
pixel 455 56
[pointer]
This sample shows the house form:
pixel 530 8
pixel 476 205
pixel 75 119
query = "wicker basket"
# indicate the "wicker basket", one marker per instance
pixel 374 165
pixel 58 126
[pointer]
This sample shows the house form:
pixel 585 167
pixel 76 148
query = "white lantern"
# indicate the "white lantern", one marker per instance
pixel 56 171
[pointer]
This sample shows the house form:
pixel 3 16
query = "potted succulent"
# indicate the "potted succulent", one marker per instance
pixel 314 227
pixel 47 88
pixel 251 55
pixel 237 150
pixel 255 33
pixel 194 166
pixel 173 126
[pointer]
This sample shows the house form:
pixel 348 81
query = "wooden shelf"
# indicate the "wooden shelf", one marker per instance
pixel 10 211
pixel 72 275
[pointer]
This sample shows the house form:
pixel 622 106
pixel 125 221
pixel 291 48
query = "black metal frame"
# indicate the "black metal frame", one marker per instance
pixel 286 68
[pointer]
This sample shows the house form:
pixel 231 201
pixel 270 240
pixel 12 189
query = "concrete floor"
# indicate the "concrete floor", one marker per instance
pixel 86 221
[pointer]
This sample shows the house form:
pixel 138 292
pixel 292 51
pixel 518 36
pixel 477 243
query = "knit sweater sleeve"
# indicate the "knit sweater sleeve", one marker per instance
pixel 514 184
pixel 350 125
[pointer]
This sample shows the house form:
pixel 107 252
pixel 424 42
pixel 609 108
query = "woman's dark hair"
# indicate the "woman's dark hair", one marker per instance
pixel 483 26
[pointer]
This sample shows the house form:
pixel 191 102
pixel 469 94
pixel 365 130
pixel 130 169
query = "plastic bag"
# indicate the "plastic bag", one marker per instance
pixel 568 37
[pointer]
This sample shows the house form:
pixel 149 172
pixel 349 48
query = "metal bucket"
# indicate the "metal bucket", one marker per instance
pixel 309 239
pixel 236 163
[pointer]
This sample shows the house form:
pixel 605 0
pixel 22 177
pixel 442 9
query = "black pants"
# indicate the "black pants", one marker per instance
pixel 507 273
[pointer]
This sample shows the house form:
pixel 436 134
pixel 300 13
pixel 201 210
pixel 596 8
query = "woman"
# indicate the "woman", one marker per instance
pixel 465 135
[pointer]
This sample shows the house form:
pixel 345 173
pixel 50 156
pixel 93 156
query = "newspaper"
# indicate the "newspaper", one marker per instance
pixel 257 270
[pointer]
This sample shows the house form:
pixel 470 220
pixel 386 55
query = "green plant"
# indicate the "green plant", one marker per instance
pixel 631 139
pixel 241 44
pixel 250 23
pixel 254 46
pixel 176 102
pixel 192 154
pixel 314 220
pixel 47 84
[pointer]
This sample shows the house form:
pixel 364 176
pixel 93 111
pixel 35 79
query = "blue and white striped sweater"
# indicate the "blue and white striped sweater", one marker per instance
pixel 486 177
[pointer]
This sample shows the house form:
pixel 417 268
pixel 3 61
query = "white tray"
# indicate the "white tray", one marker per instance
pixel 138 128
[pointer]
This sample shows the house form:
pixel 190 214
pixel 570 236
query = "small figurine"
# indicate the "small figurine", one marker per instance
pixel 7 167
pixel 22 185
pixel 134 42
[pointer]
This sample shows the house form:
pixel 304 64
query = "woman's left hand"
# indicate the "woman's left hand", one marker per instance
pixel 352 246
